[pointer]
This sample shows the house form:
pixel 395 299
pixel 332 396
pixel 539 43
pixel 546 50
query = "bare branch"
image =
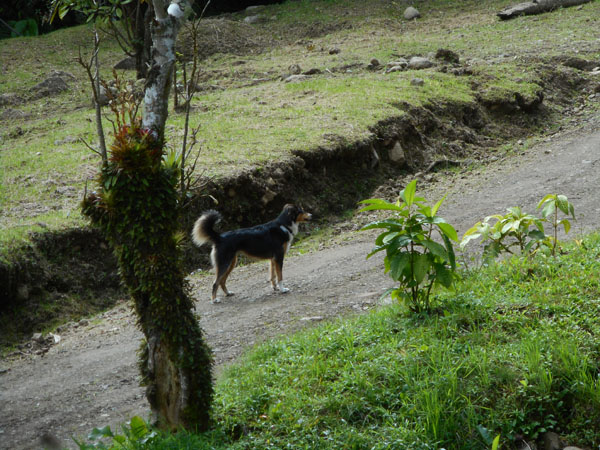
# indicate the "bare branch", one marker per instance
pixel 91 148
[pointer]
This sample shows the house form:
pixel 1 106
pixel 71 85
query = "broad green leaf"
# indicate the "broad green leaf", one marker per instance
pixel 467 239
pixel 448 230
pixel 565 223
pixel 436 249
pixel 138 427
pixel 376 250
pixel 563 203
pixel 408 194
pixel 63 10
pixel 450 252
pixel 391 224
pixel 442 275
pixel 389 236
pixel 421 267
pixel 545 199
pixel 376 204
pixel 437 206
pixel 99 433
pixel 548 209
pixel 397 265
pixel 537 235
pixel 496 443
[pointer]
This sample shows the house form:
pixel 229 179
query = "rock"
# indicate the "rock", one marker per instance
pixel 11 113
pixel 251 20
pixel 66 140
pixel 419 62
pixel 398 62
pixel 50 86
pixel 295 78
pixel 334 51
pixel 374 64
pixel 9 99
pixel 268 197
pixel 417 82
pixel 55 338
pixel 570 447
pixel 447 55
pixel 552 441
pixel 411 13
pixel 37 337
pixel 294 69
pixel 66 76
pixel 396 154
pixel 313 71
pixel 127 63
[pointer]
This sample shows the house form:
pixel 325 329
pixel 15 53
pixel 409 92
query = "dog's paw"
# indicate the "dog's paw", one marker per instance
pixel 229 293
pixel 216 300
pixel 283 290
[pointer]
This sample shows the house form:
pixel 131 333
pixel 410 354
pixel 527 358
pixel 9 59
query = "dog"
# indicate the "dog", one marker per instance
pixel 270 241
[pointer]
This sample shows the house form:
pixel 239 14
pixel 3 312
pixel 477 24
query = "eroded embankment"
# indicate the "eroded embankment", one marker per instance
pixel 67 274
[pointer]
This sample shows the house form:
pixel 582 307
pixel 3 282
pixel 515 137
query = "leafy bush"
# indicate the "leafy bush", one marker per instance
pixel 521 230
pixel 413 257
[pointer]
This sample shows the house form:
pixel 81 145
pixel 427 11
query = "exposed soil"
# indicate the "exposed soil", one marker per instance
pixel 90 377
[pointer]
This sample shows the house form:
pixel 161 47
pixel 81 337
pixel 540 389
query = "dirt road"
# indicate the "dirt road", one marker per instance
pixel 90 377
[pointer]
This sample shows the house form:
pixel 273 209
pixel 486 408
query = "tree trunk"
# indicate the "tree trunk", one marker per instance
pixel 138 211
pixel 158 84
pixel 537 7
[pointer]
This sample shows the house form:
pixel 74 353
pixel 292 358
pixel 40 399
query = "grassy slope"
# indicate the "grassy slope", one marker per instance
pixel 244 125
pixel 515 351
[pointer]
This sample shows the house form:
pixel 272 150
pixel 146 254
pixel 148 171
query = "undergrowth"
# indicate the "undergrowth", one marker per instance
pixel 514 351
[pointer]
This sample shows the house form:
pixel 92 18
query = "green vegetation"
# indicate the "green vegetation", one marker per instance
pixel 249 117
pixel 413 257
pixel 515 351
pixel 522 230
pixel 136 209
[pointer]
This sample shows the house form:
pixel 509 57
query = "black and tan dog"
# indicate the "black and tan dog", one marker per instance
pixel 270 240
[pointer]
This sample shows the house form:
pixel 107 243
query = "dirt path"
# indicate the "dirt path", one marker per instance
pixel 90 378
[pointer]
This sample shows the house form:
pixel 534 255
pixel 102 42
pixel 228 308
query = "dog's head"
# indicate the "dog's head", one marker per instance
pixel 296 214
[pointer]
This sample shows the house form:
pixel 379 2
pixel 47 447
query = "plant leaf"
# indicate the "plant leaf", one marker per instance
pixel 408 193
pixel 435 248
pixel 397 265
pixel 448 230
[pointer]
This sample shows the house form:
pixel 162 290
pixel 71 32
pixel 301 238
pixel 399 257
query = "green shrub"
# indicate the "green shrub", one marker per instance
pixel 413 257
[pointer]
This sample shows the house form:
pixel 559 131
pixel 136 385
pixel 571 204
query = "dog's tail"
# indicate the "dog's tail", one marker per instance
pixel 204 228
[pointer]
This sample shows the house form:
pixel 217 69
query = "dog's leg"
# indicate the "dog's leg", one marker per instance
pixel 222 267
pixel 224 280
pixel 279 271
pixel 272 269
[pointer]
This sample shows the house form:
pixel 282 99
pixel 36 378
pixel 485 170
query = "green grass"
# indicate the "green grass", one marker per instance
pixel 514 351
pixel 248 125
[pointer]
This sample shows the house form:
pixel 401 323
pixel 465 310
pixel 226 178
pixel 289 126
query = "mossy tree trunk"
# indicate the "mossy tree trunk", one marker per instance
pixel 137 210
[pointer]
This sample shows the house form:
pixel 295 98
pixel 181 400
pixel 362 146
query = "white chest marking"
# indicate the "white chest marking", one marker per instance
pixel 291 234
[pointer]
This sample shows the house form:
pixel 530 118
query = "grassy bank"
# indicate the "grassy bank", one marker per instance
pixel 514 351
pixel 248 116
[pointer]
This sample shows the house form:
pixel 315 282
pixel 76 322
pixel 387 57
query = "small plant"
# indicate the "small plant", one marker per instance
pixel 520 230
pixel 515 229
pixel 551 204
pixel 137 432
pixel 413 257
